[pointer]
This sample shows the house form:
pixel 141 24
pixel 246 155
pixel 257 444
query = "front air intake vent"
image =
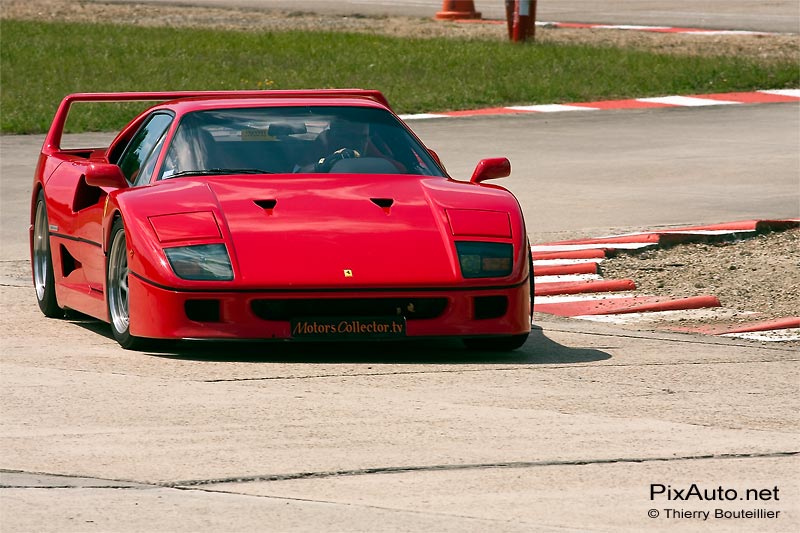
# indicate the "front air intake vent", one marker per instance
pixel 490 307
pixel 68 263
pixel 203 310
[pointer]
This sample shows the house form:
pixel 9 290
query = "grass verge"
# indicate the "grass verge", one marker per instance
pixel 41 62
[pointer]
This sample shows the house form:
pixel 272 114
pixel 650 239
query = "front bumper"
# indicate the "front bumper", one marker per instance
pixel 163 313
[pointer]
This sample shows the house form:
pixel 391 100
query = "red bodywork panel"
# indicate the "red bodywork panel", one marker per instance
pixel 315 237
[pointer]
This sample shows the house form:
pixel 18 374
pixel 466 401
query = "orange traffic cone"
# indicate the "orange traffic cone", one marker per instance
pixel 457 9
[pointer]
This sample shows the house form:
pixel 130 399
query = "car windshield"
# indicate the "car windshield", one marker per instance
pixel 282 140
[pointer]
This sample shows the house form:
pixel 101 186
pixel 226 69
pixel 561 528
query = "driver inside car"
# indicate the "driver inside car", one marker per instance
pixel 343 139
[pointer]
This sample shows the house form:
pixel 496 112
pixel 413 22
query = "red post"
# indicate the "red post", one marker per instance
pixel 531 31
pixel 457 9
pixel 510 7
pixel 521 19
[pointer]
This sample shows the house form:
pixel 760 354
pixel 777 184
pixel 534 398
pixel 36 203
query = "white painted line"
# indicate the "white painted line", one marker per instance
pixel 629 27
pixel 669 29
pixel 624 318
pixel 726 32
pixel 773 335
pixel 708 232
pixel 591 246
pixel 686 101
pixel 422 116
pixel 784 92
pixel 634 234
pixel 634 318
pixel 551 108
pixel 567 298
pixel 675 316
pixel 680 232
pixel 566 262
pixel 544 280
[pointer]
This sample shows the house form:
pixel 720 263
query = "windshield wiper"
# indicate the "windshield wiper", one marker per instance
pixel 218 172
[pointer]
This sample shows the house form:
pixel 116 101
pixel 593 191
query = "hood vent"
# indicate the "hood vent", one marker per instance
pixel 266 204
pixel 383 203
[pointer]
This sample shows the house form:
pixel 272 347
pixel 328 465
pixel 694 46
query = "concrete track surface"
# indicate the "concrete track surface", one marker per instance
pixel 568 433
pixel 773 16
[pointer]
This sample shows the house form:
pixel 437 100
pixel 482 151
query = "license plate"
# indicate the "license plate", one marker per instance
pixel 328 328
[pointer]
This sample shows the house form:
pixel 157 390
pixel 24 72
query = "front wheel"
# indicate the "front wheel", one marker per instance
pixel 496 344
pixel 43 277
pixel 117 289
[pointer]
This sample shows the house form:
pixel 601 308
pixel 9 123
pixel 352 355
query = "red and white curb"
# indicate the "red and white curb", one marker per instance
pixel 654 29
pixel 568 283
pixel 630 27
pixel 700 100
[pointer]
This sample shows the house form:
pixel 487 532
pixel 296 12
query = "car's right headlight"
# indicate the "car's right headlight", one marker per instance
pixel 485 259
pixel 205 262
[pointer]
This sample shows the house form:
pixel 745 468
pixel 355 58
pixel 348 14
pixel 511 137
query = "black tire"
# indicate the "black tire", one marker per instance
pixel 531 279
pixel 496 344
pixel 42 262
pixel 117 289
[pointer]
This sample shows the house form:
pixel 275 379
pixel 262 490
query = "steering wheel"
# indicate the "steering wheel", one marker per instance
pixel 326 163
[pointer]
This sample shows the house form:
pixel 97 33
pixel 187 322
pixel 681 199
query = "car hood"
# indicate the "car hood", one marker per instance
pixel 339 231
pixel 343 231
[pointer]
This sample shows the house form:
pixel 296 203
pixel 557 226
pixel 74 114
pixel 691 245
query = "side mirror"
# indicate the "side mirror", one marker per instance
pixel 105 175
pixel 490 169
pixel 435 157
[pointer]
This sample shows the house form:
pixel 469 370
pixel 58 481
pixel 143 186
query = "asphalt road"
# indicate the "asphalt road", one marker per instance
pixel 568 433
pixel 772 16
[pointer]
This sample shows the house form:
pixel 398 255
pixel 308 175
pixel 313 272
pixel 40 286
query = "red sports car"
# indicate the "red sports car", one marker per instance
pixel 301 215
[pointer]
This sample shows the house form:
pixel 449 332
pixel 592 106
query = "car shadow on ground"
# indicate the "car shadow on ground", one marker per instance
pixel 539 349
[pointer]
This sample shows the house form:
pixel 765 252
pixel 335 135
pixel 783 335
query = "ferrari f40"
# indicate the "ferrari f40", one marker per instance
pixel 286 215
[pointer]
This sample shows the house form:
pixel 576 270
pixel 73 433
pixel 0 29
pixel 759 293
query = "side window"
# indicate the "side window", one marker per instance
pixel 138 160
pixel 146 170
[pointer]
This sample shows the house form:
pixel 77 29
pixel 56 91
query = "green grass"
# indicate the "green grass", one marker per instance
pixel 41 62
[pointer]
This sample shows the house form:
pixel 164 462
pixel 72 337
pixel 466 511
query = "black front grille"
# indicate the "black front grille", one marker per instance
pixel 411 308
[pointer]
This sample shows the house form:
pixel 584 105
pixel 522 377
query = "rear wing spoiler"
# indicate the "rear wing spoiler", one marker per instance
pixel 52 141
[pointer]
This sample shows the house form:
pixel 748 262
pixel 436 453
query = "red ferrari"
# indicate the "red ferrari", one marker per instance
pixel 298 215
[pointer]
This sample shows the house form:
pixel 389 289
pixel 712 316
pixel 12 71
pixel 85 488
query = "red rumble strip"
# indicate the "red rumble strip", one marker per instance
pixel 567 282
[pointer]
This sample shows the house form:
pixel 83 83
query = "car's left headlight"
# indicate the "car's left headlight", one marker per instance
pixel 485 259
pixel 206 262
